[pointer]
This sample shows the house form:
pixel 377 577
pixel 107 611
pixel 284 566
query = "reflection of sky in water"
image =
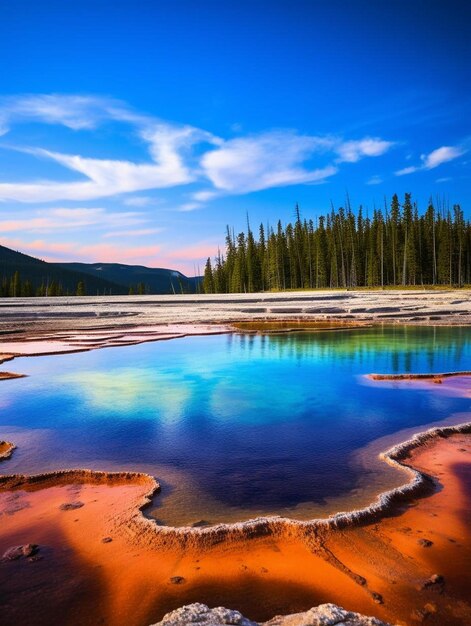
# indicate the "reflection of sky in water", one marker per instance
pixel 121 392
pixel 265 421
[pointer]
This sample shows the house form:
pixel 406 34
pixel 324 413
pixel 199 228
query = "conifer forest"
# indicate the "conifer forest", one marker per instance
pixel 397 245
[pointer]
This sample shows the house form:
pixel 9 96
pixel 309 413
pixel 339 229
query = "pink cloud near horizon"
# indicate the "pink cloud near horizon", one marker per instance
pixel 186 259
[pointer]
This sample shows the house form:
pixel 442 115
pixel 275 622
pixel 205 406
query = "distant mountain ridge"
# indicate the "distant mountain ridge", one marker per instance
pixel 98 278
pixel 155 279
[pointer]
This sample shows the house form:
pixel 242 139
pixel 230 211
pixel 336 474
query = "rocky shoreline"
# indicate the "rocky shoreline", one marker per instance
pixel 433 377
pixel 22 317
pixel 200 537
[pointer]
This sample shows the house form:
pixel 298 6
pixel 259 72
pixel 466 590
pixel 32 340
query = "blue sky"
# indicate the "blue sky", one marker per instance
pixel 135 131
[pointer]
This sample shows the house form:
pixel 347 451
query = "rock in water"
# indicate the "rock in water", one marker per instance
pixel 323 615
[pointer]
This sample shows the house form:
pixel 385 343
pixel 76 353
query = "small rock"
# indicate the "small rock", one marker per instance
pixel 425 543
pixel 17 552
pixel 71 506
pixel 360 580
pixel 421 615
pixel 106 540
pixel 13 553
pixel 177 580
pixel 437 579
pixel 377 597
pixel 29 549
pixel 434 582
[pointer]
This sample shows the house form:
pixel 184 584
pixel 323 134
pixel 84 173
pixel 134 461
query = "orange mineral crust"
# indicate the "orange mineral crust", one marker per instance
pixel 95 564
pixel 6 450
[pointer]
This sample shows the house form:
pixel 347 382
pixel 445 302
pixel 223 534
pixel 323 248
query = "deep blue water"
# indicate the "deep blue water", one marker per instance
pixel 256 421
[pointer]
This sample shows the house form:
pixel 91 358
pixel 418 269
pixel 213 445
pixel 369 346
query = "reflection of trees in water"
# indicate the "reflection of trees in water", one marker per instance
pixel 404 348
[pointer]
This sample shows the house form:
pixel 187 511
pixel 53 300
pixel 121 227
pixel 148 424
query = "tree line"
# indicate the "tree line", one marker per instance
pixel 397 246
pixel 15 287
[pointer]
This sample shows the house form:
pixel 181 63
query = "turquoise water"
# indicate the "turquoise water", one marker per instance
pixel 262 424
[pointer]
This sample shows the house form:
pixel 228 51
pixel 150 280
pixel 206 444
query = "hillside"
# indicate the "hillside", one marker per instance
pixel 39 273
pixel 154 280
pixel 98 278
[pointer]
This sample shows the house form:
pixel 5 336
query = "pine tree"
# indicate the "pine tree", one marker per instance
pixel 394 225
pixel 208 281
pixel 262 255
pixel 15 285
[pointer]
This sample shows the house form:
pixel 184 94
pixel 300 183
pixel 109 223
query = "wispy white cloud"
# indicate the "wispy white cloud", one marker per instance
pixel 205 195
pixel 189 206
pixel 139 201
pixel 73 111
pixel 235 166
pixel 62 219
pixel 77 112
pixel 406 170
pixel 269 160
pixel 281 158
pixel 433 159
pixel 374 180
pixel 138 232
pixel 169 147
pixel 106 177
pixel 353 151
pixel 441 155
